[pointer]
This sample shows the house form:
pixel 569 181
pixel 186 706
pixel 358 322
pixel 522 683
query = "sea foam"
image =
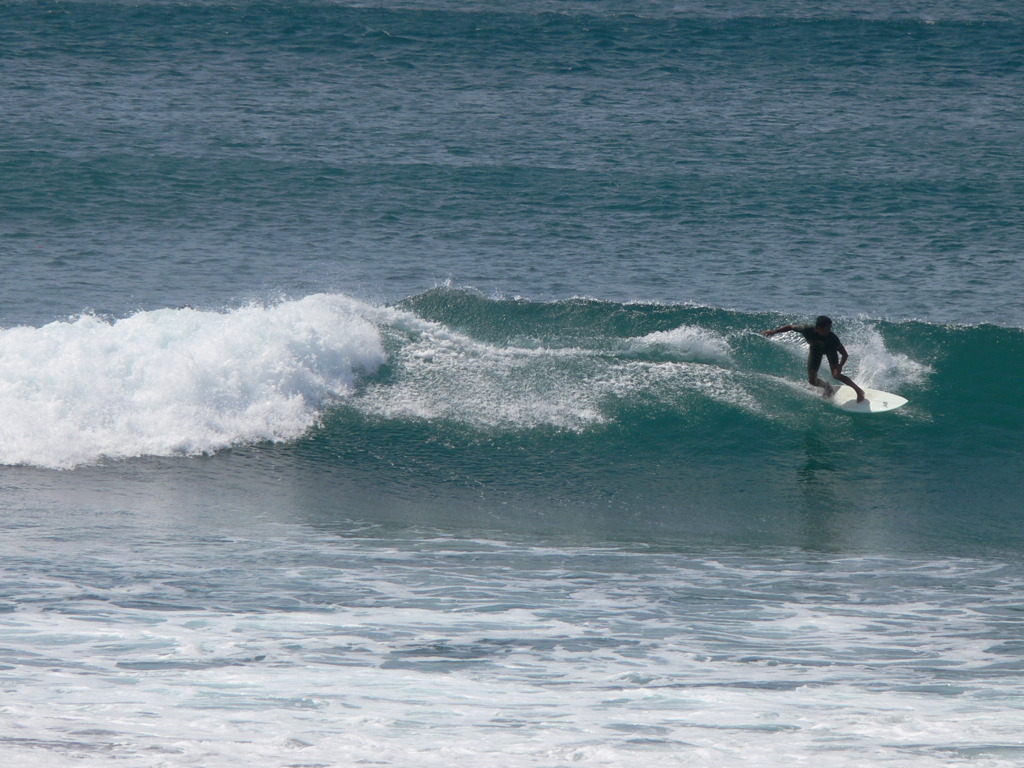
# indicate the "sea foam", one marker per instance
pixel 177 381
pixel 443 374
pixel 689 342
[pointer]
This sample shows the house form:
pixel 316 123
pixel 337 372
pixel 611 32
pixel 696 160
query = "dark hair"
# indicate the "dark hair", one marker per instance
pixel 823 321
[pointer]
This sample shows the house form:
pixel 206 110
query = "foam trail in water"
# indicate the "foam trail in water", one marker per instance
pixel 441 373
pixel 177 381
pixel 444 374
pixel 689 343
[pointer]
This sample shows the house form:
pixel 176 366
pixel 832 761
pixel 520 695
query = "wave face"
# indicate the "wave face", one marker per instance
pixel 664 422
pixel 678 418
pixel 458 357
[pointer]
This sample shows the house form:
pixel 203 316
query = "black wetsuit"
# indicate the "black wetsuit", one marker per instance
pixel 827 346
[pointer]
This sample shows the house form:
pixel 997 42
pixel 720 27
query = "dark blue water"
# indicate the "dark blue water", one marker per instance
pixel 785 159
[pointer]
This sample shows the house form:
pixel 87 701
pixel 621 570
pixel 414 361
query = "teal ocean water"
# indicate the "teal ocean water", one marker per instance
pixel 382 383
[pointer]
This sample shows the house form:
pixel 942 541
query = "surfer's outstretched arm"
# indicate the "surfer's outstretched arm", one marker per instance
pixel 781 329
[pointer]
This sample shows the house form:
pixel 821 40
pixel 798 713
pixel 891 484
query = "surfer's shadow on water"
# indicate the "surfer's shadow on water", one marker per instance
pixel 823 478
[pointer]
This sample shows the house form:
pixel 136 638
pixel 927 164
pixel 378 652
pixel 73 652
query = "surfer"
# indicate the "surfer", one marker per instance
pixel 823 342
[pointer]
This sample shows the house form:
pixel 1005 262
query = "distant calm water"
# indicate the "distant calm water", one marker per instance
pixel 380 383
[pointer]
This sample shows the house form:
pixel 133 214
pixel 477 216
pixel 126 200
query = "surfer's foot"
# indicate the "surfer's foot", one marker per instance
pixel 860 395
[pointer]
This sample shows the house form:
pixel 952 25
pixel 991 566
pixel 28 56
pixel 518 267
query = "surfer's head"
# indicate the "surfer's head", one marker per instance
pixel 823 321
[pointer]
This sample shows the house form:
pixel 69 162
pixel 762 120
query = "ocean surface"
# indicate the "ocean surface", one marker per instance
pixel 381 383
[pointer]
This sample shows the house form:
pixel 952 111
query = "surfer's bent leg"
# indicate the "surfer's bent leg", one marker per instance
pixel 813 364
pixel 833 361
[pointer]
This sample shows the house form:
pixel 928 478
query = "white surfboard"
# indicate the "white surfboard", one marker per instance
pixel 875 400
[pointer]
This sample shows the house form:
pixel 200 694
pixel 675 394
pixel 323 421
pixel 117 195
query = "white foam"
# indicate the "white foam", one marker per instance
pixel 177 381
pixel 689 343
pixel 503 656
pixel 443 374
pixel 877 367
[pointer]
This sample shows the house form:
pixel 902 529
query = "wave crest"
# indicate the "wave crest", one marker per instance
pixel 177 381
